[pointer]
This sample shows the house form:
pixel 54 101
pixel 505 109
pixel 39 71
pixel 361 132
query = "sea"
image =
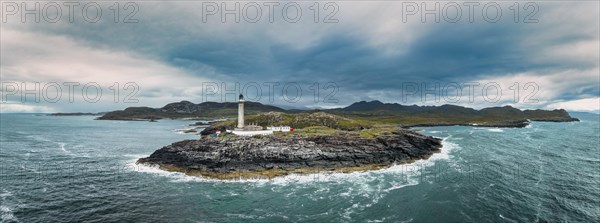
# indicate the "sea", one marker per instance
pixel 77 169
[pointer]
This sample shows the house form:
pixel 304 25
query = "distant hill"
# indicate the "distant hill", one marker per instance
pixel 76 114
pixel 380 108
pixel 355 115
pixel 414 115
pixel 186 109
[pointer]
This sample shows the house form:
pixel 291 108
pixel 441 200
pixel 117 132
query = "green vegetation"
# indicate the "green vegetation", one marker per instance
pixel 377 131
pixel 340 126
pixel 308 119
pixel 299 121
pixel 310 131
pixel 371 132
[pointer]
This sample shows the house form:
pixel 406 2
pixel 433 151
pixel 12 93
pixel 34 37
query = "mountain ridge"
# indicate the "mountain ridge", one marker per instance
pixel 187 109
pixel 376 111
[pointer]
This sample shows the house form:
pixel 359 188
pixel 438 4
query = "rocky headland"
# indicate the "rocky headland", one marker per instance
pixel 308 151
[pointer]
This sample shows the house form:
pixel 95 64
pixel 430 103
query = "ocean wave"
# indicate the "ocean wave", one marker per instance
pixel 490 129
pixel 444 154
pixel 136 156
pixel 5 194
pixel 62 147
pixel 155 170
pixel 6 213
pixel 39 138
pixel 495 130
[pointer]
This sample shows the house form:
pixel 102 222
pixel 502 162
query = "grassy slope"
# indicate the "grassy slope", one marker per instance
pixel 354 121
pixel 300 120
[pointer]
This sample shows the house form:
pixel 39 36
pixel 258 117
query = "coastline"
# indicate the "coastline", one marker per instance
pixel 407 169
pixel 272 156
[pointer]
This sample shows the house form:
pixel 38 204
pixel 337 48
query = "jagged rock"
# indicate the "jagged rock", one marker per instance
pixel 221 157
pixel 212 129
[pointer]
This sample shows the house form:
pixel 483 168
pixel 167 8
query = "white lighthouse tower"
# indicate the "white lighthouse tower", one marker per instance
pixel 240 124
pixel 252 129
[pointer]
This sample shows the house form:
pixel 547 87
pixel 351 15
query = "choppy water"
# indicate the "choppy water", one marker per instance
pixel 56 169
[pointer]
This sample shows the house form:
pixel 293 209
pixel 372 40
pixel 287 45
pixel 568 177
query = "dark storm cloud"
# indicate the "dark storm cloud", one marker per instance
pixel 443 52
pixel 456 52
pixel 347 54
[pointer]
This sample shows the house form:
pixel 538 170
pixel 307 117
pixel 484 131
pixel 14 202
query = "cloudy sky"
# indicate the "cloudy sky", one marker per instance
pixel 543 55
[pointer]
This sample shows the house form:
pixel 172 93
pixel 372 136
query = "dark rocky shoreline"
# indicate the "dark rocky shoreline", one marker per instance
pixel 269 156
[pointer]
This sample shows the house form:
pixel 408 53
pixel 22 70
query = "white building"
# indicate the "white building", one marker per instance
pixel 251 133
pixel 280 128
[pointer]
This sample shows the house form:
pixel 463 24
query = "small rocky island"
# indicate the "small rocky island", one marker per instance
pixel 362 136
pixel 304 151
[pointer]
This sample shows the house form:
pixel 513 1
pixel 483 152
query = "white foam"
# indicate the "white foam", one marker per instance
pixel 400 186
pixel 6 214
pixel 283 180
pixel 183 130
pixel 358 184
pixel 62 147
pixel 5 193
pixel 155 170
pixel 405 171
pixel 444 154
pixel 79 152
pixel 490 129
pixel 136 156
pixel 496 130
pixel 378 220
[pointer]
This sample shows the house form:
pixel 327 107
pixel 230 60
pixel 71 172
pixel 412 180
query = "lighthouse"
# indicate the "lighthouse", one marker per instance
pixel 253 129
pixel 240 124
